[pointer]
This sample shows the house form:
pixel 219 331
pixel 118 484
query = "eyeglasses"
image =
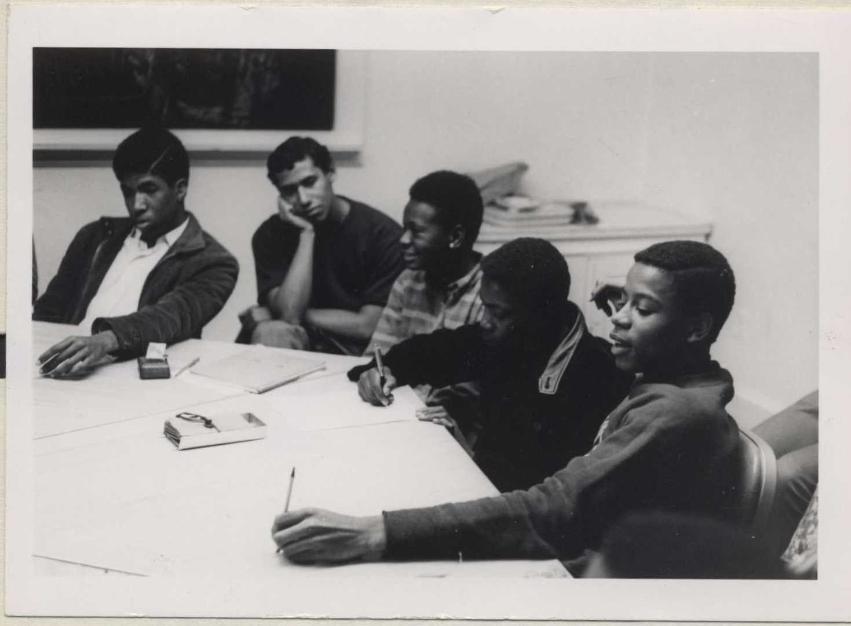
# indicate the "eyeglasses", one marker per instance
pixel 194 417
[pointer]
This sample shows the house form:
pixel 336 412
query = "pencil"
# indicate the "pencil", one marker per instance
pixel 379 364
pixel 289 495
pixel 186 367
pixel 289 491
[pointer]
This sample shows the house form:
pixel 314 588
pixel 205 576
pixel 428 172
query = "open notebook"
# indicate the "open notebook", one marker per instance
pixel 258 369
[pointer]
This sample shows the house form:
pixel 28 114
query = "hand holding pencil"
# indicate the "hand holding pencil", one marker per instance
pixel 319 536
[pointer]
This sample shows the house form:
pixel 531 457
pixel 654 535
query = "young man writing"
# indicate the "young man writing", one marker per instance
pixel 154 276
pixel 546 384
pixel 324 263
pixel 439 287
pixel 668 445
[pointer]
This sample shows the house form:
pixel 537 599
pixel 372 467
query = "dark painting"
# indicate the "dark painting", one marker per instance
pixel 183 88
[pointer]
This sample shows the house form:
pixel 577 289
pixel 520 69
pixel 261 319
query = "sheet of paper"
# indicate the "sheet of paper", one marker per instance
pixel 333 402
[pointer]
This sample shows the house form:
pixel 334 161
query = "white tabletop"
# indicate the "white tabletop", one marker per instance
pixel 116 495
pixel 115 393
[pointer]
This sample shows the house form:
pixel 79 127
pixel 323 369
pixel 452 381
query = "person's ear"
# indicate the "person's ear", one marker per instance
pixel 700 327
pixel 180 188
pixel 457 236
pixel 331 175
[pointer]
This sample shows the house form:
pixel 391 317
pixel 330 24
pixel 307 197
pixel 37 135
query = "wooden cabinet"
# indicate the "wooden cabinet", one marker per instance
pixel 605 250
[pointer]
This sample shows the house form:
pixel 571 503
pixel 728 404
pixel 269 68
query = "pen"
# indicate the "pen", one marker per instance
pixel 289 495
pixel 289 491
pixel 186 367
pixel 380 366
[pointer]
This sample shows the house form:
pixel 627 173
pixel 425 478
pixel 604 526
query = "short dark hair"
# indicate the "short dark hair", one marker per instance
pixel 656 544
pixel 296 149
pixel 531 270
pixel 456 199
pixel 703 279
pixel 152 150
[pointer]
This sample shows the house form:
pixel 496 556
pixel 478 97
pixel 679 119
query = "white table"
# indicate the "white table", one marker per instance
pixel 115 393
pixel 116 496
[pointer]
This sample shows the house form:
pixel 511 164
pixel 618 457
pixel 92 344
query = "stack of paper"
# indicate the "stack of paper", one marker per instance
pixel 552 213
pixel 258 369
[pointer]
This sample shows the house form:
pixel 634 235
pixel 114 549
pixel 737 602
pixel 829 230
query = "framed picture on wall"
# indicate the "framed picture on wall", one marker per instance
pixel 218 100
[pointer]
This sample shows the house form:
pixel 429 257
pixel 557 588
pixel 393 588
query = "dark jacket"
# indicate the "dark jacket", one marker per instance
pixel 537 410
pixel 667 446
pixel 184 291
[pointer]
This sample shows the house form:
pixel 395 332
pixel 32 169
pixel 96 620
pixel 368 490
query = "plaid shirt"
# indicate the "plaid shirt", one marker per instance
pixel 415 307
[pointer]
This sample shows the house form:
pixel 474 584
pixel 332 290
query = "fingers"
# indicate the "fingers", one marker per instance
pixel 288 213
pixel 317 550
pixel 326 537
pixel 436 415
pixel 54 350
pixel 371 390
pixel 285 520
pixel 389 385
pixel 284 207
pixel 293 528
pixel 77 358
pixel 63 361
pixel 607 297
pixel 431 413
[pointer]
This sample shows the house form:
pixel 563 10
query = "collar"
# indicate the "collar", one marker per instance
pixel 470 278
pixel 549 380
pixel 116 229
pixel 170 238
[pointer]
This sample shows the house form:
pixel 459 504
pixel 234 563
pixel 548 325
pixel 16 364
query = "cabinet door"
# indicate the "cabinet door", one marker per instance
pixel 601 269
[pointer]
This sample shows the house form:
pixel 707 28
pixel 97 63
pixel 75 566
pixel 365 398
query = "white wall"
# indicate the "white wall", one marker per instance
pixel 734 137
pixel 573 118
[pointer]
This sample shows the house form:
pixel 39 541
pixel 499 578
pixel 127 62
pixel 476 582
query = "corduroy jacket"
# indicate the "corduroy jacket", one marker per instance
pixel 183 292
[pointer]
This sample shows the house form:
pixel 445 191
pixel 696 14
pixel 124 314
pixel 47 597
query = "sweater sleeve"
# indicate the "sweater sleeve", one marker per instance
pixel 552 519
pixel 440 358
pixel 443 357
pixel 182 312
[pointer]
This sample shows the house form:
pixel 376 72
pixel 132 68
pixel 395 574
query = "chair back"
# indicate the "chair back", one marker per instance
pixel 756 483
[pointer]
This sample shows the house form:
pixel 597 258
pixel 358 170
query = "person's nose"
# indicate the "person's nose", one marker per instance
pixel 302 196
pixel 405 239
pixel 139 202
pixel 620 317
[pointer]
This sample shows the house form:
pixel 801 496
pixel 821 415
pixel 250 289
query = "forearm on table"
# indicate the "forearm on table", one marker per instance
pixel 545 521
pixel 486 528
pixel 353 324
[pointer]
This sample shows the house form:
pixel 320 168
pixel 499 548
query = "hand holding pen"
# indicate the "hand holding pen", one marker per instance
pixel 376 385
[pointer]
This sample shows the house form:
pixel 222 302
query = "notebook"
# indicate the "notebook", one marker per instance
pixel 258 369
pixel 190 430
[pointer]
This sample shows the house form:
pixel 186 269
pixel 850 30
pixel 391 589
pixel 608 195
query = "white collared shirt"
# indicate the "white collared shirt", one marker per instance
pixel 121 288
